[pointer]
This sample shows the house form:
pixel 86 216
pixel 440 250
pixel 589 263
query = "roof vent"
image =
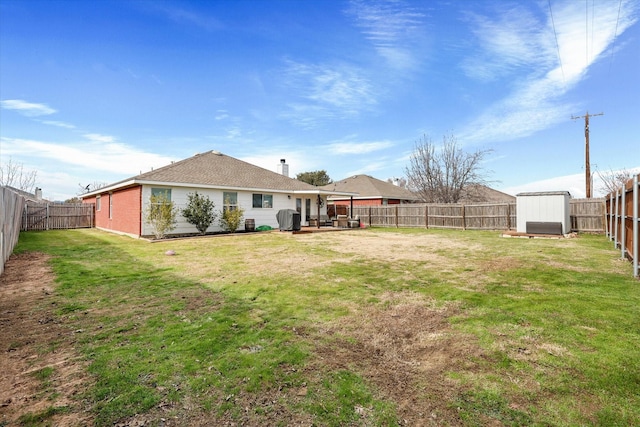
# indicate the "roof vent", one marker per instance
pixel 217 153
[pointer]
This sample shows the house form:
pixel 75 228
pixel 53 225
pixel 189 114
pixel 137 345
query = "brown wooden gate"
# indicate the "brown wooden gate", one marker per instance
pixel 57 216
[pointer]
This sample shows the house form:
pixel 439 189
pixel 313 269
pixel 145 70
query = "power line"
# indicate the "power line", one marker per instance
pixel 615 35
pixel 593 14
pixel 557 45
pixel 586 32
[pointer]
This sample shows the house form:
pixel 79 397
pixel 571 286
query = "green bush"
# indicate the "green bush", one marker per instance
pixel 161 215
pixel 200 211
pixel 231 219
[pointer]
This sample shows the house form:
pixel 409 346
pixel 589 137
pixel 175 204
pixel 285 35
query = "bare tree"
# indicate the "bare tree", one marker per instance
pixel 398 182
pixel 14 175
pixel 440 174
pixel 613 180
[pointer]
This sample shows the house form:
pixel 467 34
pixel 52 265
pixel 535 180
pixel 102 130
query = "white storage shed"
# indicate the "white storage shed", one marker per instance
pixel 546 212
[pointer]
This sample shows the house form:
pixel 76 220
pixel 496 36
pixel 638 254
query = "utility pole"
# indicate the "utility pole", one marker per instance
pixel 586 150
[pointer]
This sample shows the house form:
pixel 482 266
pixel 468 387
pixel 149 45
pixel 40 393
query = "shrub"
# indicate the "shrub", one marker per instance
pixel 200 211
pixel 161 215
pixel 231 219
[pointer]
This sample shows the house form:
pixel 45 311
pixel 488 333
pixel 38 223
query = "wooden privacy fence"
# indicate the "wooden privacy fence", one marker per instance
pixel 57 216
pixel 11 206
pixel 587 215
pixel 623 208
pixel 493 216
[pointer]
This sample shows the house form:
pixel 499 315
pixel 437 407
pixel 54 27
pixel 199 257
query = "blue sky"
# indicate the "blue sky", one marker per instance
pixel 98 91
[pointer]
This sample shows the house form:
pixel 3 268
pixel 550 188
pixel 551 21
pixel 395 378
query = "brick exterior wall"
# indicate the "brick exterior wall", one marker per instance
pixel 126 216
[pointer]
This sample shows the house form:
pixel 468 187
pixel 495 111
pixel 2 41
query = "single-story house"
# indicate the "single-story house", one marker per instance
pixel 35 197
pixel 369 190
pixel 227 181
pixel 478 193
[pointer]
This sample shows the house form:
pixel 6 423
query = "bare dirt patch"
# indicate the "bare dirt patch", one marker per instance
pixel 406 350
pixel 41 369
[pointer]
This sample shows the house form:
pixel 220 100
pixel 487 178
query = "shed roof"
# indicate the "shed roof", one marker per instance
pixel 544 193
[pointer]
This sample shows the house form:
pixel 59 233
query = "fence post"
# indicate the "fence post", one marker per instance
pixel 636 236
pixel 396 216
pixel 615 222
pixel 623 225
pixel 508 217
pixel 369 216
pixel 426 216
pixel 464 219
pixel 611 216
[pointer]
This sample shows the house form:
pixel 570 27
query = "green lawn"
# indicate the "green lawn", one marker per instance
pixel 368 327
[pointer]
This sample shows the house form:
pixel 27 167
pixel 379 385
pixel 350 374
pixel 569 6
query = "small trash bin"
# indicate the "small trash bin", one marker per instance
pixel 296 221
pixel 250 224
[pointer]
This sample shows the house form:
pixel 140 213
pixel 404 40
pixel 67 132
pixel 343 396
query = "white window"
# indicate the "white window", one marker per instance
pixel 166 192
pixel 230 201
pixel 263 201
pixel 98 204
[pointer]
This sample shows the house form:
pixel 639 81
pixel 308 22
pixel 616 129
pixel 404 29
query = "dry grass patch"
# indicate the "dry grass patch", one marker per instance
pixel 389 246
pixel 405 347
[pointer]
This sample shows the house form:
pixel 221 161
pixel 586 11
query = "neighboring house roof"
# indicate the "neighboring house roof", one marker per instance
pixel 481 193
pixel 215 170
pixel 368 187
pixel 28 196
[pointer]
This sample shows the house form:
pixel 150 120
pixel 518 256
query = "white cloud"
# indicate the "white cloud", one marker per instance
pixel 96 156
pixel 58 124
pixel 347 147
pixel 574 184
pixel 326 92
pixel 184 16
pixel 513 41
pixel 298 161
pixel 96 137
pixel 307 116
pixel 392 27
pixel 28 109
pixel 58 185
pixel 221 115
pixel 510 44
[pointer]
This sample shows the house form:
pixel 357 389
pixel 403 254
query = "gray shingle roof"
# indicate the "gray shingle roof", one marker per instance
pixel 369 187
pixel 481 193
pixel 214 169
